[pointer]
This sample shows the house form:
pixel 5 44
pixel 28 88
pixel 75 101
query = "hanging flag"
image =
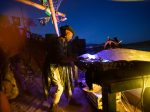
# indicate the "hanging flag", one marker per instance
pixel 62 19
pixel 16 20
pixel 44 20
pixel 48 12
pixel 50 7
pixel 60 16
pixel 44 3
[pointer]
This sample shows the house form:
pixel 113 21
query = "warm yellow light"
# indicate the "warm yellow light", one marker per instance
pixel 124 54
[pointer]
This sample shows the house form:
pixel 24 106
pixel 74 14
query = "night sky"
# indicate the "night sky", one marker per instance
pixel 94 20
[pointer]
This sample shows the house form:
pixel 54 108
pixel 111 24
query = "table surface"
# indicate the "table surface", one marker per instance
pixel 115 77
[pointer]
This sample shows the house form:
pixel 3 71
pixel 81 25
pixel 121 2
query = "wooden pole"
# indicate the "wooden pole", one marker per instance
pixel 32 4
pixel 54 16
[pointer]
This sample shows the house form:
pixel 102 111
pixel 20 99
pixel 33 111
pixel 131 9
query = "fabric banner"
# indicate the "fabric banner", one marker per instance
pixel 45 3
pixel 43 21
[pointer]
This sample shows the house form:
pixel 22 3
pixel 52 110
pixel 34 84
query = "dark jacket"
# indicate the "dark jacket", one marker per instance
pixel 59 51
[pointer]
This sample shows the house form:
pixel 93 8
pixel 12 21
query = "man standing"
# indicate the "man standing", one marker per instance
pixel 59 61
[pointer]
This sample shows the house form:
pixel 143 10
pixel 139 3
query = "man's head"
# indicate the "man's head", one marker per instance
pixel 67 32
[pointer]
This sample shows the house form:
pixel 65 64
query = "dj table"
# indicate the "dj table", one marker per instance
pixel 115 77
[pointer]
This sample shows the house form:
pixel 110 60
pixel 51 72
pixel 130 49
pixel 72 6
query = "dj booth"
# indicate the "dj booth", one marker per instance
pixel 115 76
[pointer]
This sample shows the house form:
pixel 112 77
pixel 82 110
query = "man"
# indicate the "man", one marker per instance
pixel 59 61
pixel 111 43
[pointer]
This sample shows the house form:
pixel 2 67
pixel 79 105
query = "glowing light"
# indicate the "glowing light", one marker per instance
pixel 89 56
pixel 124 54
pixel 92 57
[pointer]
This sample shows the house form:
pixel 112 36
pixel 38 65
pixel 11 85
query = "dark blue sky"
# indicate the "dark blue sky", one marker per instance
pixel 94 20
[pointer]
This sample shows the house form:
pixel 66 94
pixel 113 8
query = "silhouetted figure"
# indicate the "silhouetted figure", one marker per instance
pixel 117 41
pixel 112 43
pixel 59 65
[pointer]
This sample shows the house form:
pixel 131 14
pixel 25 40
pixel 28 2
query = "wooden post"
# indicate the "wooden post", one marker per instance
pixel 54 16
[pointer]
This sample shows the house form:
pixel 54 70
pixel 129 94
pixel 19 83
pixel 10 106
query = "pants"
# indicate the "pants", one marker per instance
pixel 62 77
pixel 55 77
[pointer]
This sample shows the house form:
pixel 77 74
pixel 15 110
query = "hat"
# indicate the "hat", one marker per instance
pixel 66 27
